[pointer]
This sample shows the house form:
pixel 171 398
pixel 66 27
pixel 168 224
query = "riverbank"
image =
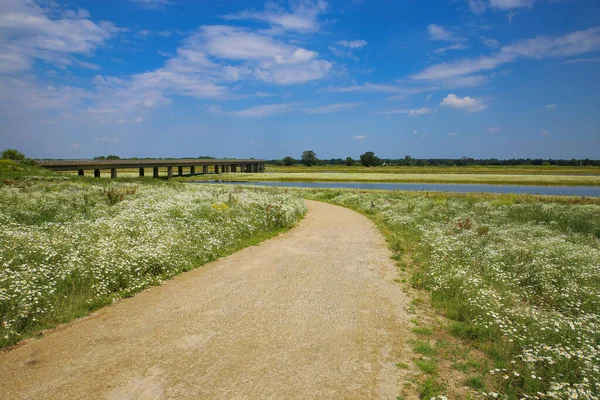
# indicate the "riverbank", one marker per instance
pixel 489 179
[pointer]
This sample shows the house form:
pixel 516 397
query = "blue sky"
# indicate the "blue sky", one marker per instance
pixel 182 78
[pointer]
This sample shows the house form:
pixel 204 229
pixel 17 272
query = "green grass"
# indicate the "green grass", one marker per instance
pixel 423 331
pixel 503 170
pixel 431 388
pixel 475 382
pixel 524 290
pixel 426 366
pixel 498 178
pixel 424 348
pixel 71 245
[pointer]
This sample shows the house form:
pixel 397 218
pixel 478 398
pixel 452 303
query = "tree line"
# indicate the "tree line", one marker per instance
pixel 369 159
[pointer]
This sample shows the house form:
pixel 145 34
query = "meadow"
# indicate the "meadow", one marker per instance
pixel 491 169
pixel 69 246
pixel 518 277
pixel 498 178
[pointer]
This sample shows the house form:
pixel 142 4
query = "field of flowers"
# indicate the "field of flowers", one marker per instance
pixel 520 279
pixel 70 246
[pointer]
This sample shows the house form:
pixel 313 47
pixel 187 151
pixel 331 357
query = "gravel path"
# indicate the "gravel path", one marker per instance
pixel 311 314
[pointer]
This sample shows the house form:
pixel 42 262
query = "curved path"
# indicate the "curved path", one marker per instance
pixel 313 313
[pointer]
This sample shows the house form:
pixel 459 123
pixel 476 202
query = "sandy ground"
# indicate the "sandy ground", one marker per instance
pixel 311 314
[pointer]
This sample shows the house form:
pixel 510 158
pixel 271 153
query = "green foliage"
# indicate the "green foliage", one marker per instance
pixel 111 157
pixel 423 330
pixel 475 382
pixel 350 161
pixel 426 366
pixel 423 348
pixel 431 388
pixel 12 154
pixel 369 159
pixel 68 246
pixel 309 158
pixel 288 161
pixel 519 275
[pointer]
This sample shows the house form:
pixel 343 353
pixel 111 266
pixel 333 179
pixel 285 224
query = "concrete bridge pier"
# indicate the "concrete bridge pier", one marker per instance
pixel 228 168
pixel 113 173
pixel 192 170
pixel 233 168
pixel 179 171
pixel 96 173
pixel 169 172
pixel 141 171
pixel 155 172
pixel 80 172
pixel 216 169
pixel 205 170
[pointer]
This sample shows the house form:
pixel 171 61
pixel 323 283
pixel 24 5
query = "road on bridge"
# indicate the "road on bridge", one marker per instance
pixel 311 314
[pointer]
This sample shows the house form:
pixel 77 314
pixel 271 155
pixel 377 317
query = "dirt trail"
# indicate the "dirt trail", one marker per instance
pixel 311 314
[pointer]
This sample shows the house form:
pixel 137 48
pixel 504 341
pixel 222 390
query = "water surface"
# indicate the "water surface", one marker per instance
pixel 588 191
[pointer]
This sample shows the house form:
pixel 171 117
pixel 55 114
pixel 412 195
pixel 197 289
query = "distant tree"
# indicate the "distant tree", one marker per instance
pixel 100 158
pixel 369 159
pixel 288 161
pixel 111 157
pixel 309 158
pixel 12 154
pixel 349 161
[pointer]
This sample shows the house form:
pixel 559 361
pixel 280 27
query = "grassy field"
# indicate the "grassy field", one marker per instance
pixel 69 246
pixel 496 179
pixel 493 170
pixel 518 278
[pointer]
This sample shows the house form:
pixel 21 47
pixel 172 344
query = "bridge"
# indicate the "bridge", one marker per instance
pixel 216 165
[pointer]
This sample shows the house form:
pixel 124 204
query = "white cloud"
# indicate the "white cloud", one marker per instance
pixel 415 132
pixel 495 129
pixel 550 105
pixel 467 103
pixel 582 60
pixel 369 87
pixel 477 6
pixel 28 31
pixel 419 111
pixel 511 4
pixel 544 133
pixel 359 137
pixel 354 44
pixel 452 134
pixel 491 43
pixel 428 97
pixel 457 46
pixel 107 139
pixel 331 108
pixel 437 32
pixel 257 111
pixel 462 67
pixel 574 43
pixel 151 4
pixel 264 94
pixel 262 57
pixel 75 146
pixel 303 16
pixel 22 96
pixel 348 46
